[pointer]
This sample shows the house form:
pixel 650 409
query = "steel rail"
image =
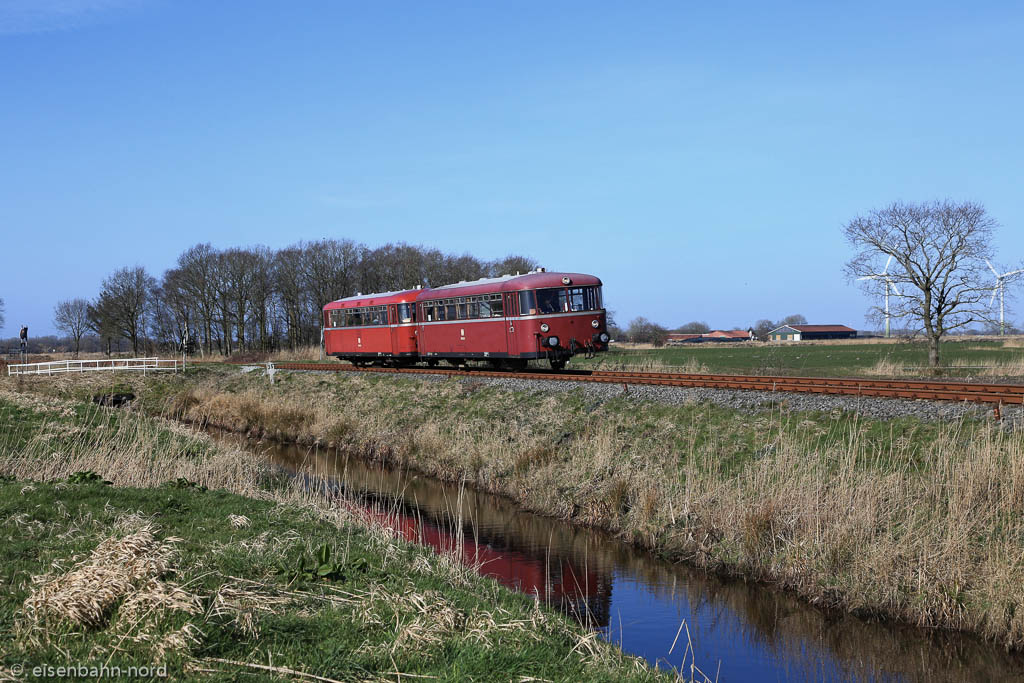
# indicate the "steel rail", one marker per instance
pixel 999 394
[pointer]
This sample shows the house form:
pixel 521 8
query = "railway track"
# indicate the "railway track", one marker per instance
pixel 932 390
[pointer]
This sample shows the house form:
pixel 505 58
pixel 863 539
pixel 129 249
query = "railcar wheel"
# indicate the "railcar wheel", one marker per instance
pixel 557 364
pixel 432 363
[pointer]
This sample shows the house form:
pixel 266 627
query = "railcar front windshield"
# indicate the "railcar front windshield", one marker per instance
pixel 560 300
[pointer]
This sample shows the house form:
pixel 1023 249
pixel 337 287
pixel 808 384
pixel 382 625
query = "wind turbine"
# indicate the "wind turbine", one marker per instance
pixel 889 284
pixel 998 289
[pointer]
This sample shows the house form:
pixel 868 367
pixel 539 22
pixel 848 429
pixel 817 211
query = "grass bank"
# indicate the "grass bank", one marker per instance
pixel 902 519
pixel 201 560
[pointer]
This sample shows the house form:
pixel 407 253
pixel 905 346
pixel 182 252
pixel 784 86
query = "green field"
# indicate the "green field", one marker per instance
pixel 960 358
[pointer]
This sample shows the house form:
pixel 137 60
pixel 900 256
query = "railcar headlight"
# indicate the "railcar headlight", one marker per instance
pixel 595 323
pixel 604 337
pixel 544 327
pixel 552 342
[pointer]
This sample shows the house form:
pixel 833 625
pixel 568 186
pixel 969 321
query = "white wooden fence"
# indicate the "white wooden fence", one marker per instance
pixel 59 367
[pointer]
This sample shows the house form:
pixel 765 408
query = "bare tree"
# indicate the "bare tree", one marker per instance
pixel 1 314
pixel 72 318
pixel 939 252
pixel 795 319
pixel 239 266
pixel 614 331
pixel 261 296
pixel 510 265
pixel 761 329
pixel 124 301
pixel 288 281
pixel 176 312
pixel 695 327
pixel 101 321
pixel 196 281
pixel 463 268
pixel 642 330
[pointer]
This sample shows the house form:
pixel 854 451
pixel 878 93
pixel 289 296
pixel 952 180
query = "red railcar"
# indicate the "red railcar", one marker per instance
pixel 506 320
pixel 372 328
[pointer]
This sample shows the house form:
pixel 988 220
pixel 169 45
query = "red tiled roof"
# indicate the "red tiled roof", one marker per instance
pixel 731 334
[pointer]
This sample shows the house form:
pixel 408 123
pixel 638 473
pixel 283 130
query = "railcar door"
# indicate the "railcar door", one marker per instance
pixel 393 327
pixel 511 325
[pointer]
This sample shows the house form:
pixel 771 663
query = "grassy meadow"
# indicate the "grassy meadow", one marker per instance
pixel 890 358
pixel 918 521
pixel 127 540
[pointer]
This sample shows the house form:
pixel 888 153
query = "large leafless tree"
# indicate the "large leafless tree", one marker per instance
pixel 938 251
pixel 123 303
pixel 72 318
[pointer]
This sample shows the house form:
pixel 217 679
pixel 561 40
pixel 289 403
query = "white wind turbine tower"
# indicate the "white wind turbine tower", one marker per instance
pixel 889 284
pixel 998 289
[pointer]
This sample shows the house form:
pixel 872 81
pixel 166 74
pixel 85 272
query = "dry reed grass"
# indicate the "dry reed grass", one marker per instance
pixel 886 367
pixel 654 364
pixel 124 568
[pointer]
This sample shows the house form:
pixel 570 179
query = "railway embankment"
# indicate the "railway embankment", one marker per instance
pixel 901 517
pixel 150 549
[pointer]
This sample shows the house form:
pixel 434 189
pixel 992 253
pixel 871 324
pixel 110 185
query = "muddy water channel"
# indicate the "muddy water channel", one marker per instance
pixel 738 631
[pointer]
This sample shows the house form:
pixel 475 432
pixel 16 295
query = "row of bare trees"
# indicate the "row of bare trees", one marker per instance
pixel 256 298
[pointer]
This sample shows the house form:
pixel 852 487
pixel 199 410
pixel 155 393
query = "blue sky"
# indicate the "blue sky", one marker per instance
pixel 700 158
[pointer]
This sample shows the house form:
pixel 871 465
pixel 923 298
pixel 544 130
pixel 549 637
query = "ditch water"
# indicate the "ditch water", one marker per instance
pixel 738 631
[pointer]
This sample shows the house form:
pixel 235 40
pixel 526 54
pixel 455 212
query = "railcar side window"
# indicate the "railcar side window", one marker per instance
pixel 497 306
pixel 577 300
pixel 527 302
pixel 552 301
pixel 585 298
pixel 406 313
pixel 449 311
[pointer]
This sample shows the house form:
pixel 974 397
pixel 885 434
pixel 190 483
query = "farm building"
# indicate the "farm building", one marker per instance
pixel 713 336
pixel 810 332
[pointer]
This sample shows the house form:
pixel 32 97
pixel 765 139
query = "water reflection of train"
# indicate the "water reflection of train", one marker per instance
pixel 475 532
pixel 505 321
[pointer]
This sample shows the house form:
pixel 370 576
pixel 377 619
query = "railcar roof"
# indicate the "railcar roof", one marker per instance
pixel 507 283
pixel 376 299
pixel 503 283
